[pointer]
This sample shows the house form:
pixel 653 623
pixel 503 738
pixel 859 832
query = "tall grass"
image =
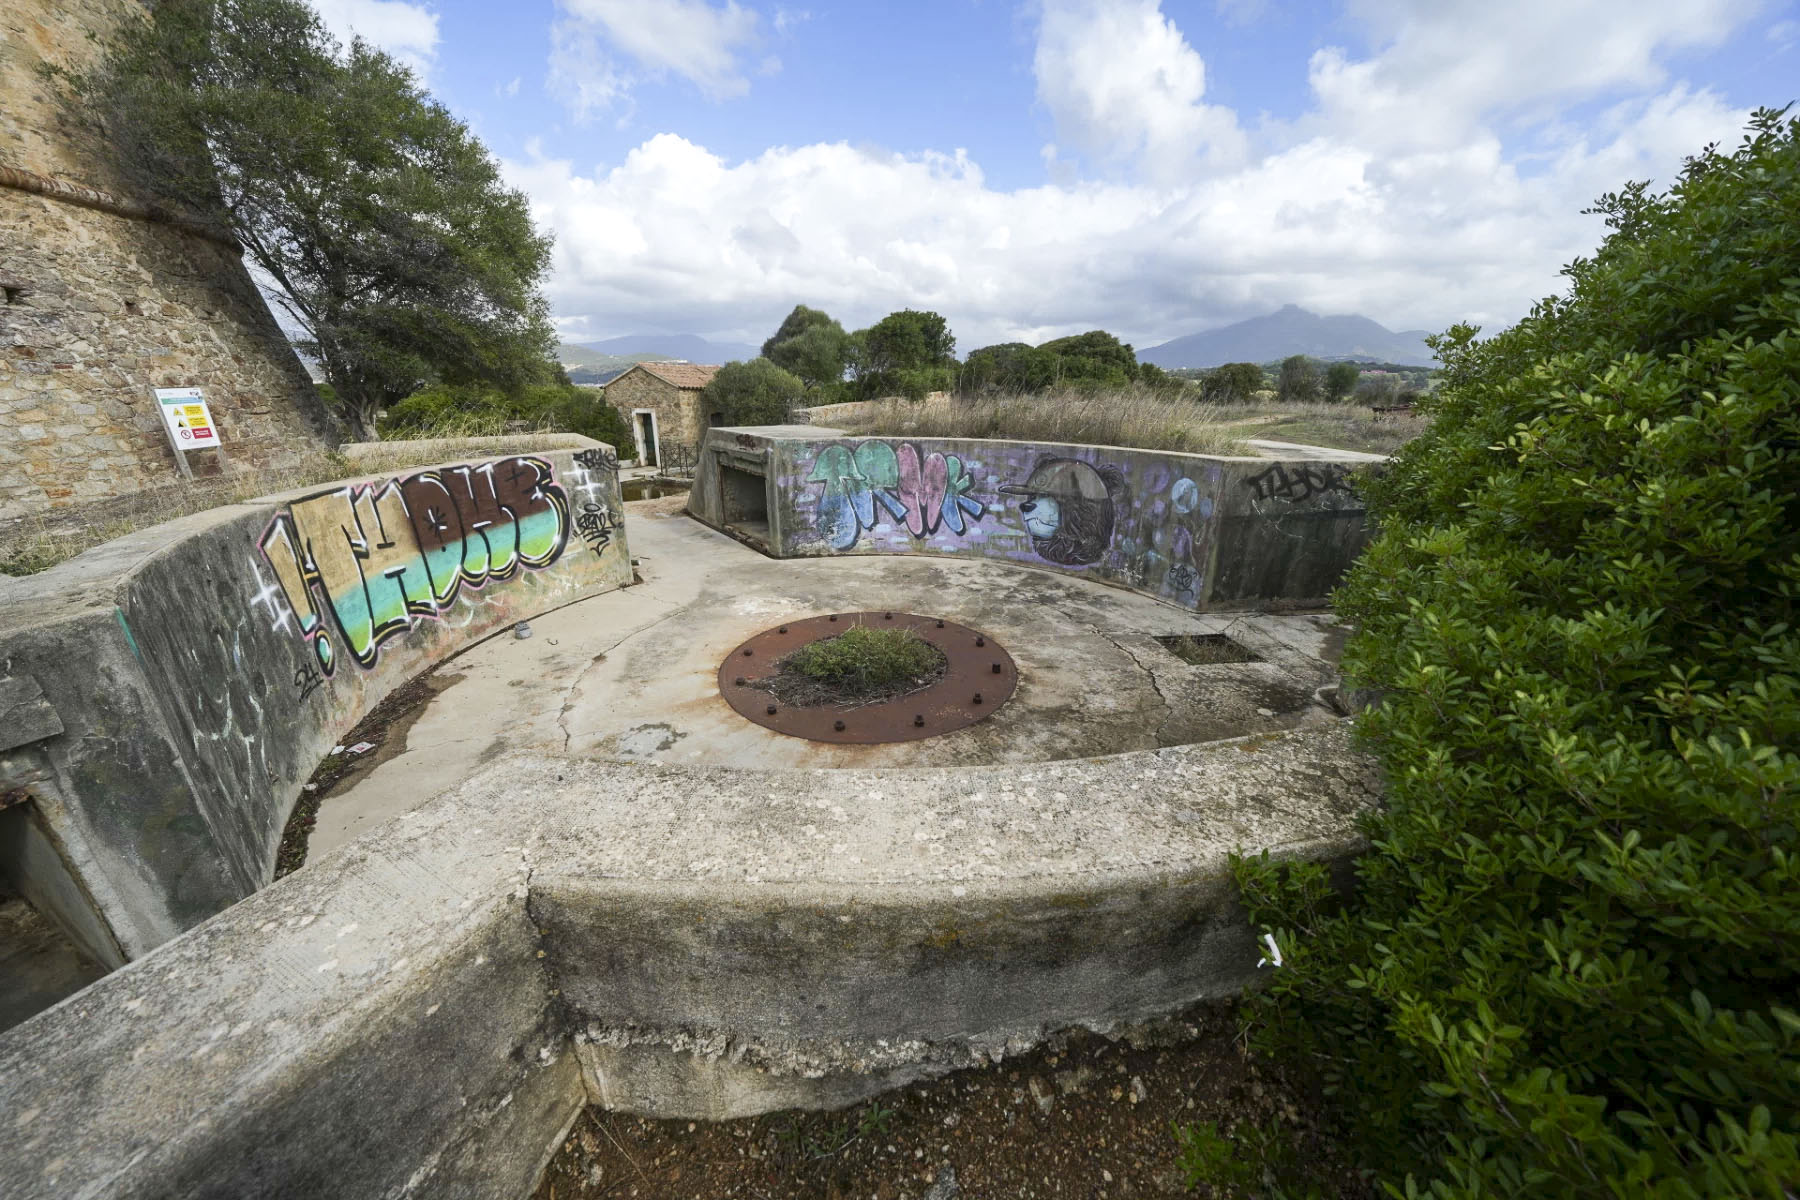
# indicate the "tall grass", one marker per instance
pixel 1131 418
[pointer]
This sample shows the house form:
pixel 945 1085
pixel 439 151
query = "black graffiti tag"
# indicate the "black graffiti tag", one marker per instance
pixel 1183 578
pixel 602 458
pixel 307 679
pixel 1305 481
pixel 595 524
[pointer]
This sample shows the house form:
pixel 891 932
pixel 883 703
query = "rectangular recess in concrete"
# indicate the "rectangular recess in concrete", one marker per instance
pixel 746 501
pixel 1207 649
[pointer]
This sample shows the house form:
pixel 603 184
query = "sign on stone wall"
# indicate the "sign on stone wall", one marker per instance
pixel 189 422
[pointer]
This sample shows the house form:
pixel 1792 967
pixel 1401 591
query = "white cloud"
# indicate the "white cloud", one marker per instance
pixel 787 18
pixel 409 32
pixel 600 49
pixel 1447 67
pixel 1124 85
pixel 508 89
pixel 1416 191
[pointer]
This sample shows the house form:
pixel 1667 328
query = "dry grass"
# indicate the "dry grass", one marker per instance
pixel 384 458
pixel 1139 420
pixel 1346 426
pixel 1125 418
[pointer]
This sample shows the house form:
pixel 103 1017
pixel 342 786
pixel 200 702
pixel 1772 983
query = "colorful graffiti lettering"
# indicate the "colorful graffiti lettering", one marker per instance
pixel 925 493
pixel 381 555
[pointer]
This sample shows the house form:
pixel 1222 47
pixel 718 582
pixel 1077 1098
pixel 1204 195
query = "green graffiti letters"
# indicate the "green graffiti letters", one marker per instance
pixel 383 555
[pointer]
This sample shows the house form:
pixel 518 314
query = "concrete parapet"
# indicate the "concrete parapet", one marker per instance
pixel 1199 531
pixel 423 1011
pixel 198 671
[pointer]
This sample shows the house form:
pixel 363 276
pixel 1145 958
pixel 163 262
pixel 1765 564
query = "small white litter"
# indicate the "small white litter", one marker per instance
pixel 362 747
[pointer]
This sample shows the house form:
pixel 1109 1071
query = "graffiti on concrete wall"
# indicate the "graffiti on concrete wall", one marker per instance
pixel 594 518
pixel 1069 509
pixel 1299 482
pixel 362 564
pixel 1153 522
pixel 922 492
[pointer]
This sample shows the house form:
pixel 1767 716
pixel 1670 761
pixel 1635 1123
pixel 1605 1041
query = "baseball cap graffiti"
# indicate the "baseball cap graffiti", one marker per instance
pixel 1062 479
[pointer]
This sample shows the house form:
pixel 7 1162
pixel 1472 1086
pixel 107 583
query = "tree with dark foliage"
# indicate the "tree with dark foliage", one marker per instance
pixel 377 217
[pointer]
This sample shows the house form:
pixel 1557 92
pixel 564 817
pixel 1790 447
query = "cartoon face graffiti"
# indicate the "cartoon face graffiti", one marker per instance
pixel 1043 516
pixel 1069 509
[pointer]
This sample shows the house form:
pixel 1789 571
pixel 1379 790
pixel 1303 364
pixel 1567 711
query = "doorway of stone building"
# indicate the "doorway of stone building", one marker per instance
pixel 644 426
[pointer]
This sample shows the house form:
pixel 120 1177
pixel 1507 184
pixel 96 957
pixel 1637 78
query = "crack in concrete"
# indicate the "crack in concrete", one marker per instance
pixel 573 693
pixel 1168 707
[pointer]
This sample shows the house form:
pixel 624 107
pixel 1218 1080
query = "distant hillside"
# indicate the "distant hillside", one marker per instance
pixel 592 368
pixel 686 347
pixel 1292 330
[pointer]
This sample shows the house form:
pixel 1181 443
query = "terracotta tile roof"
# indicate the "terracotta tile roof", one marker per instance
pixel 681 374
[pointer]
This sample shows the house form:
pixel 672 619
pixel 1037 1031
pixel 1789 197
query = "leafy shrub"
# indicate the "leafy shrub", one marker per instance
pixel 753 393
pixel 1571 966
pixel 1255 1158
pixel 1239 382
pixel 445 410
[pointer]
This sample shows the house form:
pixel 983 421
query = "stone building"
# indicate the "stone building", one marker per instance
pixel 662 402
pixel 107 297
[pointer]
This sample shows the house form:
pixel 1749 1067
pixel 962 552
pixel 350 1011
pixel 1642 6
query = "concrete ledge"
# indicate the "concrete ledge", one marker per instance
pixel 199 670
pixel 1198 531
pixel 718 942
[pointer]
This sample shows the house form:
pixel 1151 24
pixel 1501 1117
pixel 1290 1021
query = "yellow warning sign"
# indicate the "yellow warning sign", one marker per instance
pixel 190 423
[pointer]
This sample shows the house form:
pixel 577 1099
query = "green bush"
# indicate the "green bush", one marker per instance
pixel 445 410
pixel 1571 964
pixel 753 393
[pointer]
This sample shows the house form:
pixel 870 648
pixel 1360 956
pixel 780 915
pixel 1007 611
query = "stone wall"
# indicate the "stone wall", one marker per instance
pixel 1193 530
pixel 678 418
pixel 108 307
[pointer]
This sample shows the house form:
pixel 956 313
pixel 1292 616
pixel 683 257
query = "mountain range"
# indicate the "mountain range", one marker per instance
pixel 1293 330
pixel 651 347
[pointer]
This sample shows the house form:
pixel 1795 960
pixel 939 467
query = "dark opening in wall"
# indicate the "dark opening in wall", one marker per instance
pixel 745 502
pixel 1206 649
pixel 40 962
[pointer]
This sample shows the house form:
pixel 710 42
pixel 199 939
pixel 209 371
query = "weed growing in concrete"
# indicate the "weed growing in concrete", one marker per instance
pixel 865 658
pixel 859 666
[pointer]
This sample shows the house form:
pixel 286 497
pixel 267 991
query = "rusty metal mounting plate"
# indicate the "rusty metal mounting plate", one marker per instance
pixel 978 678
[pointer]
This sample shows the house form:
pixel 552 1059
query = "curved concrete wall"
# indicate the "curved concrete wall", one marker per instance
pixel 424 1011
pixel 171 691
pixel 1193 530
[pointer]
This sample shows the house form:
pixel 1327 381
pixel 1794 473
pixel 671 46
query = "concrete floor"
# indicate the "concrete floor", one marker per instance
pixel 38 964
pixel 632 674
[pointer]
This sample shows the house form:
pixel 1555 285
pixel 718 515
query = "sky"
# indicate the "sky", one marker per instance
pixel 1033 169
